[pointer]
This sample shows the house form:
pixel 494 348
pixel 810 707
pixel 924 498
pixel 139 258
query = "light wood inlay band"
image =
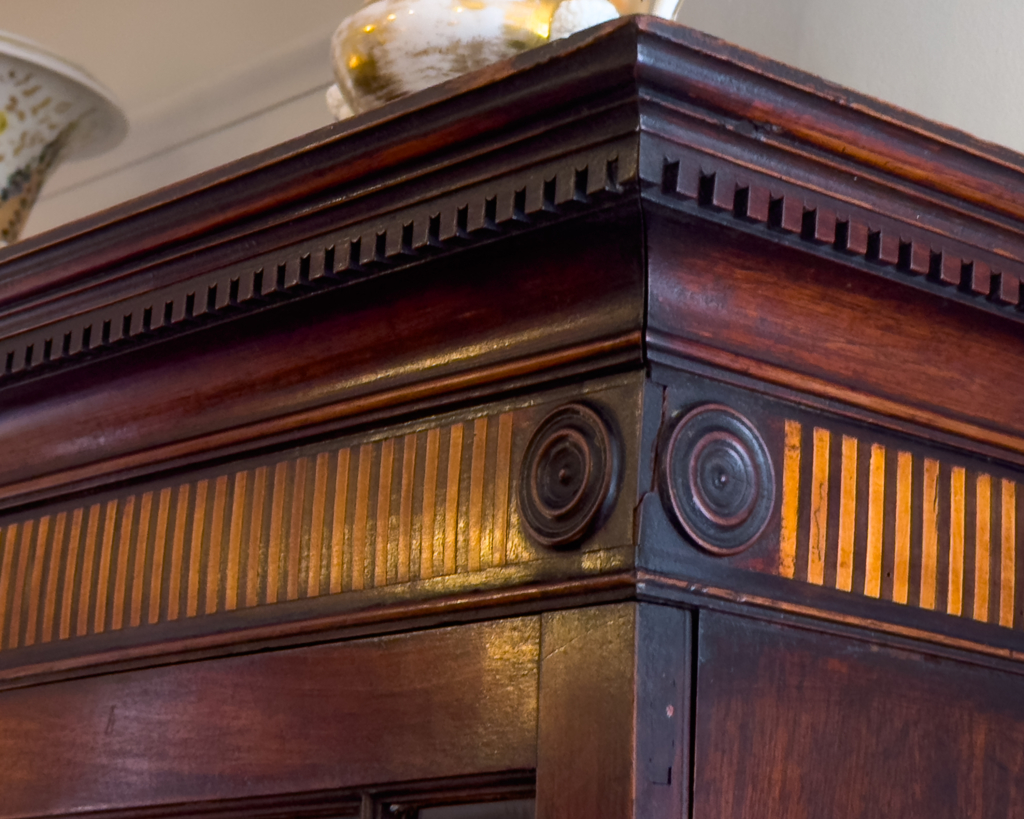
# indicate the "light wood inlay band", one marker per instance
pixel 422 504
pixel 919 531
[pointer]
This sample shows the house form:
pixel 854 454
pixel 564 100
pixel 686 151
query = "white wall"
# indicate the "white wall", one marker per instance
pixel 202 82
pixel 201 127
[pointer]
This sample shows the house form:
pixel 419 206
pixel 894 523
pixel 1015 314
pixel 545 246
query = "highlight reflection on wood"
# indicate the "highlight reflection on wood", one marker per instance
pixel 427 503
pixel 910 529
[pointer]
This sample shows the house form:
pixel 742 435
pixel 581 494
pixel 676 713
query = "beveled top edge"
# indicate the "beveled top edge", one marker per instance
pixel 835 93
pixel 785 103
pixel 437 119
pixel 642 52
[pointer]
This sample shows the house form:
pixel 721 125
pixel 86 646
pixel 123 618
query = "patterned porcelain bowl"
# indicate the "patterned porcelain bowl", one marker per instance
pixel 50 110
pixel 391 48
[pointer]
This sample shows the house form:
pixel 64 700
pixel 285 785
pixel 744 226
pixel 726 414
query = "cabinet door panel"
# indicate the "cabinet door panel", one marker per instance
pixel 794 724
pixel 432 704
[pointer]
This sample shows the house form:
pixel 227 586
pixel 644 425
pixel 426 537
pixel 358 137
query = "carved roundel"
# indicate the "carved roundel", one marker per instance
pixel 717 479
pixel 568 476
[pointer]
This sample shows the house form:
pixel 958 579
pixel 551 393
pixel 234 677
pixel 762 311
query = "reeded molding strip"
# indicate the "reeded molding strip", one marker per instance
pixel 891 524
pixel 477 213
pixel 428 503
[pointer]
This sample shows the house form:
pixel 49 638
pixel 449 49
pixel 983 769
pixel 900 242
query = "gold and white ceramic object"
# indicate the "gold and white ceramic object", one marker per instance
pixel 50 110
pixel 391 48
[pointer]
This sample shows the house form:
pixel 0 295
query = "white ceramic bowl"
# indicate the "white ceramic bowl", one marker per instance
pixel 50 110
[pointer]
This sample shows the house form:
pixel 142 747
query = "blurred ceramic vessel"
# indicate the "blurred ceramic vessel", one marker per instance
pixel 391 48
pixel 50 110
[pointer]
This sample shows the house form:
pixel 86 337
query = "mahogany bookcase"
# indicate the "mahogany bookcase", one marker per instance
pixel 635 426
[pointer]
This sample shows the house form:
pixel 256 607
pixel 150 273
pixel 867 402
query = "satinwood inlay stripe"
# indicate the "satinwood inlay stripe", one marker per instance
pixel 901 564
pixel 255 570
pixel 819 507
pixel 405 513
pixel 177 552
pixel 216 539
pixel 338 536
pixel 85 592
pixel 316 534
pixel 121 576
pixel 955 590
pixel 910 529
pixel 451 512
pixel 427 545
pixel 847 515
pixel 159 550
pixel 106 558
pixel 50 601
pixel 380 553
pixel 476 492
pixel 8 539
pixel 34 592
pixel 141 556
pixel 19 582
pixel 69 574
pixel 790 500
pixel 876 512
pixel 502 476
pixel 362 515
pixel 238 508
pixel 1008 552
pixel 983 486
pixel 421 504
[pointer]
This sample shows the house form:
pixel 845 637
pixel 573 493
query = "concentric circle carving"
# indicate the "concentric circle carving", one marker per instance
pixel 568 476
pixel 717 479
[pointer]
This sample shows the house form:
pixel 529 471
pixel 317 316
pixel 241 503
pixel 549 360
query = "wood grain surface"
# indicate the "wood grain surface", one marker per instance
pixel 386 517
pixel 543 137
pixel 871 526
pixel 585 761
pixel 796 724
pixel 804 110
pixel 306 379
pixel 614 712
pixel 743 303
pixel 379 347
pixel 439 703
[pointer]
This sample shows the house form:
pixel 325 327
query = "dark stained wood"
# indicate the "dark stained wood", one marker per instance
pixel 276 184
pixel 790 723
pixel 389 342
pixel 370 613
pixel 585 762
pixel 264 437
pixel 289 542
pixel 432 704
pixel 566 81
pixel 800 108
pixel 664 670
pixel 470 133
pixel 556 129
pixel 744 304
pixel 614 712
